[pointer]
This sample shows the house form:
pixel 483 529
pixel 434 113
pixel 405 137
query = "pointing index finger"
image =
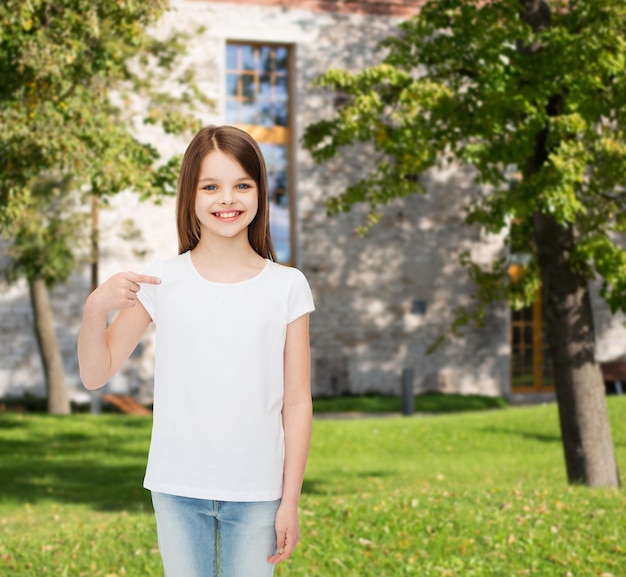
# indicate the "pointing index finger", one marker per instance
pixel 147 279
pixel 144 278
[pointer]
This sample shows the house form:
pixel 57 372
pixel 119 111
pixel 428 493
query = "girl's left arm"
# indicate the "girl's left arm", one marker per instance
pixel 297 418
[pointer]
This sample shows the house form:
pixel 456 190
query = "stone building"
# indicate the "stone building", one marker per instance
pixel 381 300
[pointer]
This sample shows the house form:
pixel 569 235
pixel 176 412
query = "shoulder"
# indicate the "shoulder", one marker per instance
pixel 287 274
pixel 293 285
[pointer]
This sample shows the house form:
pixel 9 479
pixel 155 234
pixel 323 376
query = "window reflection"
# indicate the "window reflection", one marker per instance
pixel 257 85
pixel 246 57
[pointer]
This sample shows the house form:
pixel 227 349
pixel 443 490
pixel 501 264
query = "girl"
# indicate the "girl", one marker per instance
pixel 232 401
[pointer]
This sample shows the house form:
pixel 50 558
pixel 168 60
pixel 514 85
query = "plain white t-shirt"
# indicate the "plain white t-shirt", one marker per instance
pixel 218 382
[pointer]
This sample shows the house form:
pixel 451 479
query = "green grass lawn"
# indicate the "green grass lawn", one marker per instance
pixel 458 495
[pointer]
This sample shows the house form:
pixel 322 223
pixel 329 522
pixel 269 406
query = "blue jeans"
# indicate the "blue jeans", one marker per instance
pixel 203 538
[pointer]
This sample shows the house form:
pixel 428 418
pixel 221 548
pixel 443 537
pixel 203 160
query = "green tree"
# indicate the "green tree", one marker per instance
pixel 78 78
pixel 531 84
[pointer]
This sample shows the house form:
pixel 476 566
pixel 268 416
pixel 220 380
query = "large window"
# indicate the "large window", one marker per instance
pixel 258 101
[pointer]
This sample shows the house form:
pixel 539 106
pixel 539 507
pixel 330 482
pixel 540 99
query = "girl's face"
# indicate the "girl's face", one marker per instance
pixel 227 198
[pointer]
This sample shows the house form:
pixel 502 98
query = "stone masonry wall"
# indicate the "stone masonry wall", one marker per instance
pixel 381 300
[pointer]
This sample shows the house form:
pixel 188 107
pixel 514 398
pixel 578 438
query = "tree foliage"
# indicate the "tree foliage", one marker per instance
pixel 473 82
pixel 77 76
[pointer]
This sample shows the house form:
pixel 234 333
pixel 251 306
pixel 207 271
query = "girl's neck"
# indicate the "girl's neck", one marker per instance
pixel 226 261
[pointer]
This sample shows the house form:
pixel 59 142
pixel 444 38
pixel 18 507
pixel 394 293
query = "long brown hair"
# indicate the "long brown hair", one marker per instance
pixel 241 147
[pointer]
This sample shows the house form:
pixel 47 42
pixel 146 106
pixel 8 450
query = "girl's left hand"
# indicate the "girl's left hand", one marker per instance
pixel 287 532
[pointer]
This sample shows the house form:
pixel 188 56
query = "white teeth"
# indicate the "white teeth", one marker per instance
pixel 226 214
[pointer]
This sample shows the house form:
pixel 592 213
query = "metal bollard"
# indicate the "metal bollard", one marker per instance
pixel 96 403
pixel 408 402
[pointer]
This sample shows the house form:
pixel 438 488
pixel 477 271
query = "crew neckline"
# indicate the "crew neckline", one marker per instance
pixel 219 283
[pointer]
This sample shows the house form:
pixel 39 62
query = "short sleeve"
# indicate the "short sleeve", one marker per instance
pixel 148 293
pixel 300 297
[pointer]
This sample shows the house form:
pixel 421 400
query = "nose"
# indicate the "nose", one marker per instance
pixel 227 197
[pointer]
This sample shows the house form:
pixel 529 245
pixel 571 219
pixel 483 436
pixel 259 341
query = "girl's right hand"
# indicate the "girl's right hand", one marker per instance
pixel 120 291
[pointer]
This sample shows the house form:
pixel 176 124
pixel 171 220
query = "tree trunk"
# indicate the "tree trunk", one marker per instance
pixel 585 429
pixel 583 415
pixel 58 399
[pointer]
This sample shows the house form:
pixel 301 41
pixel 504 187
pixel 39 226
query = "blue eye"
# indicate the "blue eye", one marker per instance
pixel 243 186
pixel 210 187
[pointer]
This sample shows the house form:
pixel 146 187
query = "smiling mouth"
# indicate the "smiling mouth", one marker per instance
pixel 231 214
